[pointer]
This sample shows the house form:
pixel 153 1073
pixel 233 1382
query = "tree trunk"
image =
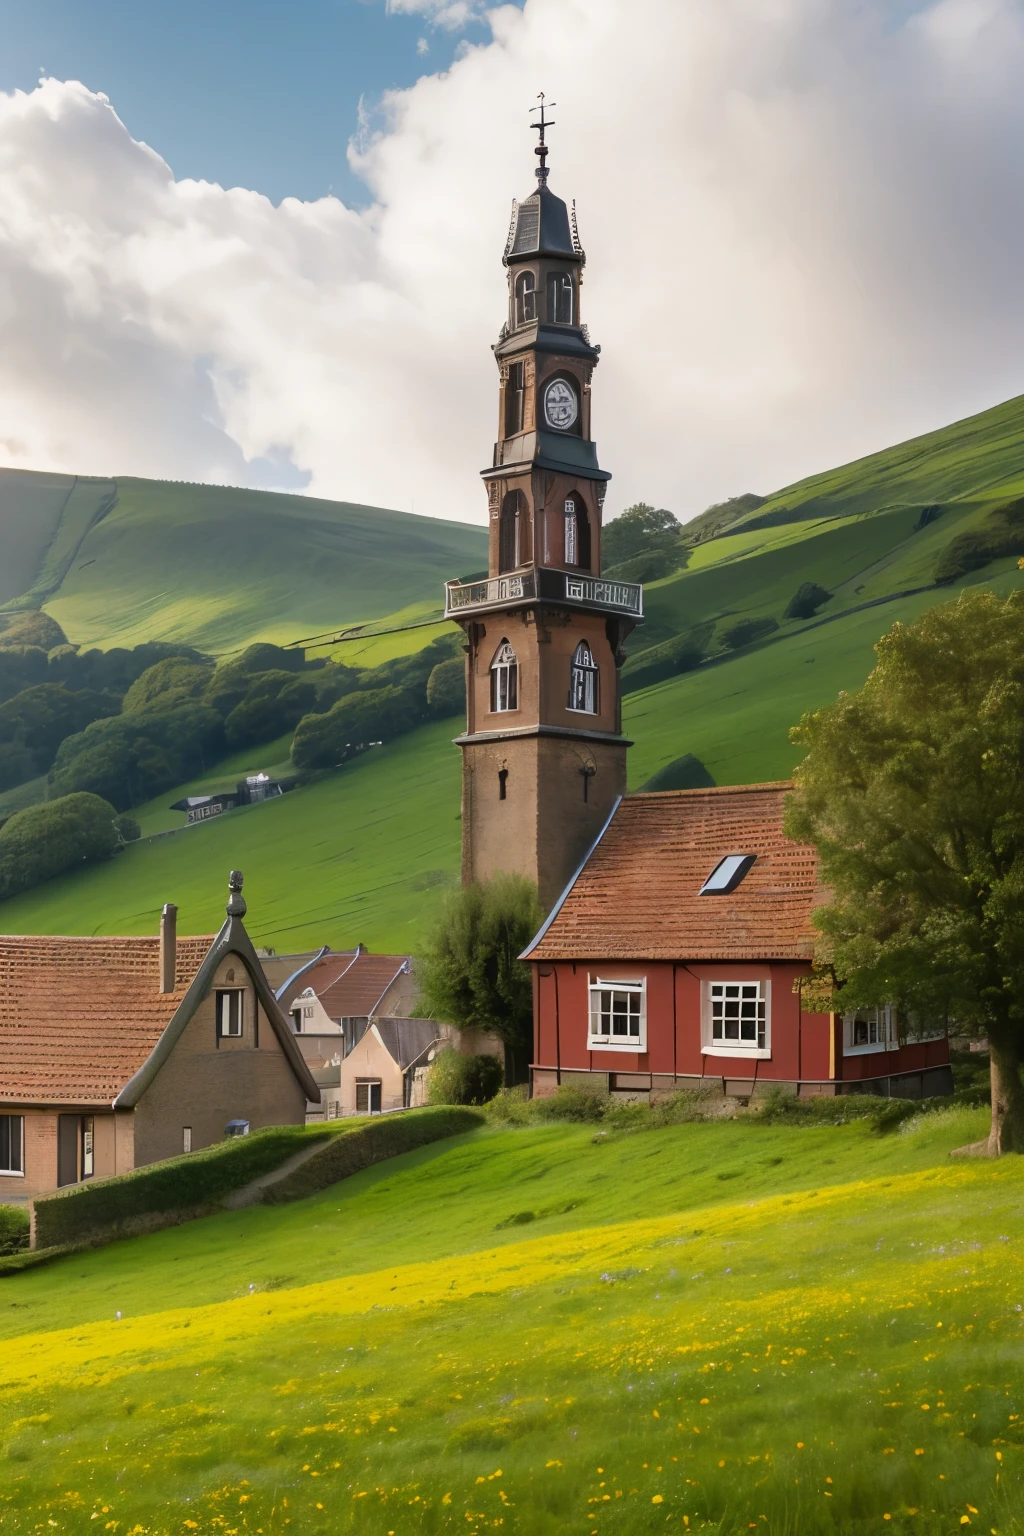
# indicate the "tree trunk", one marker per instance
pixel 1007 1133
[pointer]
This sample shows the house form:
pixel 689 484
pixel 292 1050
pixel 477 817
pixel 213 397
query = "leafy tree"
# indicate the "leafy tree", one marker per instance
pixel 325 741
pixel 233 679
pixel 127 828
pixel 31 628
pixel 638 531
pixel 45 840
pixel 471 975
pixel 334 681
pixel 275 702
pixel 21 666
pixel 806 601
pixel 167 685
pixel 39 718
pixel 130 758
pixel 913 793
pixel 446 688
pixel 458 1079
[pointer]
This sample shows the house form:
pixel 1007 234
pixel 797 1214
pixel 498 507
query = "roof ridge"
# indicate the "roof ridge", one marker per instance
pixel 711 789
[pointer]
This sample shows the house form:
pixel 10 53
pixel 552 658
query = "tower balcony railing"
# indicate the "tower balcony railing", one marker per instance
pixel 578 589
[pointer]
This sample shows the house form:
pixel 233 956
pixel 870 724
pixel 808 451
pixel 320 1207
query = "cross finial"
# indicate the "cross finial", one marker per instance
pixel 541 127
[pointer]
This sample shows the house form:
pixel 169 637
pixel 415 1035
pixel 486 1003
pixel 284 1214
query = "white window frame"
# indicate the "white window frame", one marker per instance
pixel 583 679
pixel 367 1084
pixel 186 1138
pixel 758 1049
pixel 504 680
pixel 571 539
pixel 226 1029
pixel 597 1038
pixel 881 1022
pixel 17 1123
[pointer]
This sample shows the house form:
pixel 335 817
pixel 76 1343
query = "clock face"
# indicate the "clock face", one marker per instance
pixel 560 405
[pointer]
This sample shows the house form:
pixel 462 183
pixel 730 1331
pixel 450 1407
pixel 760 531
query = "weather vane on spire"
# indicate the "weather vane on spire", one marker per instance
pixel 541 127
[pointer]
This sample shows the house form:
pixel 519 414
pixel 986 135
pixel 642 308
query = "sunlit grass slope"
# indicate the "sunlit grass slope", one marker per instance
pixel 219 567
pixel 358 856
pixel 702 1328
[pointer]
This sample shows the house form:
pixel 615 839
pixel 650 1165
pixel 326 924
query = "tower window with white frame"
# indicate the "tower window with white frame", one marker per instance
pixel 526 298
pixel 560 299
pixel 583 681
pixel 504 679
pixel 618 1015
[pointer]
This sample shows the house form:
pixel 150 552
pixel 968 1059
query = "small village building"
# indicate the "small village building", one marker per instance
pixel 388 1067
pixel 249 791
pixel 120 1052
pixel 678 956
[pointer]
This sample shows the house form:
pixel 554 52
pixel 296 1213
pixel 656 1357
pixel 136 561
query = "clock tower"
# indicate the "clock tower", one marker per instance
pixel 543 755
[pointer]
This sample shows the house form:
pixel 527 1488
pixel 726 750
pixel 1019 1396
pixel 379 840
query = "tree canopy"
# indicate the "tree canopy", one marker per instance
pixel 471 975
pixel 912 791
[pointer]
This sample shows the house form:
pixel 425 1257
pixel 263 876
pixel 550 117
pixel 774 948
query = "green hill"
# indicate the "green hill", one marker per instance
pixel 363 854
pixel 705 1327
pixel 123 561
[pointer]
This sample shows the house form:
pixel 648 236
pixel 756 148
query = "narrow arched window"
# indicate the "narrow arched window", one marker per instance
pixel 560 299
pixel 513 532
pixel 577 533
pixel 583 681
pixel 526 298
pixel 504 679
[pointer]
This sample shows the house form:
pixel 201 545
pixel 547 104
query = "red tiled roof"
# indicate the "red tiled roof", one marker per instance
pixel 79 1017
pixel 637 895
pixel 358 987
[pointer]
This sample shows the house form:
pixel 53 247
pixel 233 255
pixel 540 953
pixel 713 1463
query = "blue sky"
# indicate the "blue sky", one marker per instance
pixel 256 93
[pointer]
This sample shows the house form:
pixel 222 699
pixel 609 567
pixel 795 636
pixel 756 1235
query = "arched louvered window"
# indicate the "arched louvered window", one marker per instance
pixel 513 532
pixel 504 679
pixel 560 299
pixel 577 533
pixel 526 298
pixel 583 681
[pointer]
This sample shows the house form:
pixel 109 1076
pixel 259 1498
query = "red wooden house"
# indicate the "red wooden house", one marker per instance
pixel 676 955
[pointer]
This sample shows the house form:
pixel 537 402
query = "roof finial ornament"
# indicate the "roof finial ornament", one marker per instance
pixel 542 148
pixel 236 901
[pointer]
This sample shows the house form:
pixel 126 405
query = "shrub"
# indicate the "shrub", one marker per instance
pixel 167 685
pixel 45 840
pixel 14 1229
pixel 572 1102
pixel 511 1106
pixel 326 741
pixel 181 1185
pixel 686 772
pixel 839 1109
pixel 127 828
pixel 371 1142
pixel 1001 534
pixel 805 603
pixel 31 628
pixel 446 688
pixel 746 631
pixel 458 1079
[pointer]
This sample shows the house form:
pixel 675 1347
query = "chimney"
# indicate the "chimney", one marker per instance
pixel 168 947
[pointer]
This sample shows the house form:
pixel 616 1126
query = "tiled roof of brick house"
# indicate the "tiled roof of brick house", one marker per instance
pixel 80 1016
pixel 638 894
pixel 349 985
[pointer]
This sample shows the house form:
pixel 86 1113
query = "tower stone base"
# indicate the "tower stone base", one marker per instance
pixel 533 802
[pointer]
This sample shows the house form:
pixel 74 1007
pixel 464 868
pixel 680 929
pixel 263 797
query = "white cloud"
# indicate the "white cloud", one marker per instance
pixel 803 220
pixel 422 47
pixel 450 14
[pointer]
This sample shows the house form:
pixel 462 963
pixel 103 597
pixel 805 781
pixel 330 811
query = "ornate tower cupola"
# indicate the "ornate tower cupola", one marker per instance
pixel 543 754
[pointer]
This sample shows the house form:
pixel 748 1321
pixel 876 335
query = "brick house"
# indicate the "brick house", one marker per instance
pixel 677 955
pixel 118 1052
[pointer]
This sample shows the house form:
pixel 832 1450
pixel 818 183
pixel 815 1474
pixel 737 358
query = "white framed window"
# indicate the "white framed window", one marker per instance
pixel 583 681
pixel 12 1144
pixel 504 680
pixel 570 532
pixel 526 298
pixel 560 298
pixel 737 1018
pixel 88 1147
pixel 618 1015
pixel 368 1096
pixel 229 1013
pixel 186 1138
pixel 867 1030
pixel 727 874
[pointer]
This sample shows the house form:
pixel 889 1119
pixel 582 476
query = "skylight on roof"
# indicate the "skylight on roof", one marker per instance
pixel 727 874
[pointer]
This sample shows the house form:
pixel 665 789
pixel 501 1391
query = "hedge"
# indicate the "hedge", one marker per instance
pixel 373 1142
pixel 186 1185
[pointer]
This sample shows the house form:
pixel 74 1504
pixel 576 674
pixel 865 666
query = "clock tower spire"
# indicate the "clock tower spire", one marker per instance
pixel 543 754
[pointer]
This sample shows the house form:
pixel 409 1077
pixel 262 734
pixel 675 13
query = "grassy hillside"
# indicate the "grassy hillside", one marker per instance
pixel 870 534
pixel 707 1327
pixel 120 562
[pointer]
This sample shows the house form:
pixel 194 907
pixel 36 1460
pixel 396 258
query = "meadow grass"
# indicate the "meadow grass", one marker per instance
pixel 830 1354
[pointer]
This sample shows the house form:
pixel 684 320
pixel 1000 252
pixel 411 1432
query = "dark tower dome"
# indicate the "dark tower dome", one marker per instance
pixel 541 226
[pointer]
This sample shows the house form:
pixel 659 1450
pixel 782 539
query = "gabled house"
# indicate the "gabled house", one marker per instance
pixel 678 955
pixel 119 1052
pixel 387 1068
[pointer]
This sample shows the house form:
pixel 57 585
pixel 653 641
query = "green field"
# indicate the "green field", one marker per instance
pixel 724 1326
